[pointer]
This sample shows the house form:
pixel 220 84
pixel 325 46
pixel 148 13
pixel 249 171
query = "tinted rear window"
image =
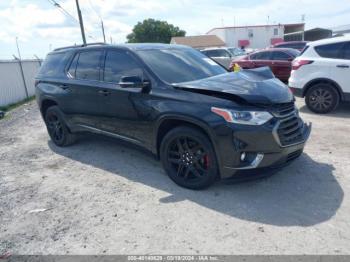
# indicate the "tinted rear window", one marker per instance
pixel 260 56
pixel 329 50
pixel 88 66
pixel 53 64
pixel 278 55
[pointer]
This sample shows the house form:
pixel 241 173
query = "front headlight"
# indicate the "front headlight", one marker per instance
pixel 243 117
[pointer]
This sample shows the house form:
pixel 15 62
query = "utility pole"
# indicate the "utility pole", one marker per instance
pixel 19 53
pixel 103 32
pixel 81 22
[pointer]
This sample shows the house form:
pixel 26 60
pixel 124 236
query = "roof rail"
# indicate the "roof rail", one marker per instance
pixel 76 46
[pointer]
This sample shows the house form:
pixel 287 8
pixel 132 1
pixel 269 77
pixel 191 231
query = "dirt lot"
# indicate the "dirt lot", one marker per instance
pixel 100 196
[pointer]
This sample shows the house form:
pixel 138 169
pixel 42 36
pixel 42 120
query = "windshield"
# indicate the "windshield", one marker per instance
pixel 175 65
pixel 236 51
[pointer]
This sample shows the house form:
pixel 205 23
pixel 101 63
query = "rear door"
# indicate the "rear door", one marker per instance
pixel 83 87
pixel 261 59
pixel 281 64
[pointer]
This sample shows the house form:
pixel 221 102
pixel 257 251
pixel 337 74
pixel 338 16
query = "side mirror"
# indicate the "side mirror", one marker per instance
pixel 131 82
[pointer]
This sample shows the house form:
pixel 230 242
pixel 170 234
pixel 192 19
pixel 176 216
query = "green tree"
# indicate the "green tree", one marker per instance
pixel 154 31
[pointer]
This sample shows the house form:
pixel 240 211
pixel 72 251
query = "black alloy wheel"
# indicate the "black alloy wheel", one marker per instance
pixel 322 98
pixel 57 128
pixel 188 157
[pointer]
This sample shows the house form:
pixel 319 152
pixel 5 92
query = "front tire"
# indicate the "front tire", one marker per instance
pixel 322 98
pixel 189 158
pixel 57 128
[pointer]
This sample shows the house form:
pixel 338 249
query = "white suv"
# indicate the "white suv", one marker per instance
pixel 321 74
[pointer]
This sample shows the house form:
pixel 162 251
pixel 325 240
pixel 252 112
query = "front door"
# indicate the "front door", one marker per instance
pixel 281 65
pixel 125 111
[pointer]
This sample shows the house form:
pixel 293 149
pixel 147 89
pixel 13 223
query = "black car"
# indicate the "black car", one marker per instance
pixel 203 122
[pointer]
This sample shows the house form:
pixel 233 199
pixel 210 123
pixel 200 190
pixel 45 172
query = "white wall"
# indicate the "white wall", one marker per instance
pixel 12 88
pixel 262 35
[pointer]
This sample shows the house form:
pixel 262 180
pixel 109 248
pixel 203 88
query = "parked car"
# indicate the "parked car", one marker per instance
pixel 321 74
pixel 278 59
pixel 235 51
pixel 223 55
pixel 203 122
pixel 299 45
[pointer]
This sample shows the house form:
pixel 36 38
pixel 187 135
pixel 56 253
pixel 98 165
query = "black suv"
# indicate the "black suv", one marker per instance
pixel 201 121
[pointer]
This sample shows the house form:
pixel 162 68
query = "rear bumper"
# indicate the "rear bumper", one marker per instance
pixel 274 155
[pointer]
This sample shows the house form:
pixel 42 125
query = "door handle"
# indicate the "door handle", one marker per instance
pixel 104 92
pixel 63 86
pixel 343 66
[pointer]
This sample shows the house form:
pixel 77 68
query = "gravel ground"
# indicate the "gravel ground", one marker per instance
pixel 100 196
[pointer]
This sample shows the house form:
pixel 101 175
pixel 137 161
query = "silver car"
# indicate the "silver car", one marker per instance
pixel 223 55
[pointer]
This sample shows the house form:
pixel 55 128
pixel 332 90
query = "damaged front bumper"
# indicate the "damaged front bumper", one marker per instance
pixel 256 151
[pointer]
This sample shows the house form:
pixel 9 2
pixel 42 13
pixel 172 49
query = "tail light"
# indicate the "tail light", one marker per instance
pixel 296 64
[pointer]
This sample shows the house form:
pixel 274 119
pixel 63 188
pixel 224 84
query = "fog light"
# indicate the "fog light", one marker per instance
pixel 243 155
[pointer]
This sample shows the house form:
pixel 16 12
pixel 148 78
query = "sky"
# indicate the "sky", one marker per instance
pixel 41 27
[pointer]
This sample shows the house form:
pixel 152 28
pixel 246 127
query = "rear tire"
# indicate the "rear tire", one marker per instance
pixel 322 98
pixel 189 158
pixel 57 128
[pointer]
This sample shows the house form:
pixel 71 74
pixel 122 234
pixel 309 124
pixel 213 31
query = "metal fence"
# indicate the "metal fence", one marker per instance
pixel 17 80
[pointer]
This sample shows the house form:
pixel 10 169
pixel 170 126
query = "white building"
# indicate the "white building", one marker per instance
pixel 258 36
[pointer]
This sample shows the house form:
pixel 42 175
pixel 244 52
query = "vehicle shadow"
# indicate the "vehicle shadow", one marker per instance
pixel 304 193
pixel 342 111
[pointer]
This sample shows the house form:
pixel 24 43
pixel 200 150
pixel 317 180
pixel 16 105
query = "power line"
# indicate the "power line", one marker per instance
pixel 62 10
pixel 100 17
pixel 92 8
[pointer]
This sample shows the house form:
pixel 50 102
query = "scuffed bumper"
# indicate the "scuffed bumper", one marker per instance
pixel 274 156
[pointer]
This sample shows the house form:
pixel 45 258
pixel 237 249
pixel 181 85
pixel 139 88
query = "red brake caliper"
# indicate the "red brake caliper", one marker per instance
pixel 206 161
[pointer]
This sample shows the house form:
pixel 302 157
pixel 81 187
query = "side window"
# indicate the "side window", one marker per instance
pixel 346 51
pixel 260 56
pixel 280 56
pixel 88 66
pixel 118 64
pixel 73 66
pixel 254 56
pixel 210 53
pixel 330 50
pixel 223 53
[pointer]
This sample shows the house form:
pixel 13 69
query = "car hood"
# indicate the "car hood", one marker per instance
pixel 253 85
